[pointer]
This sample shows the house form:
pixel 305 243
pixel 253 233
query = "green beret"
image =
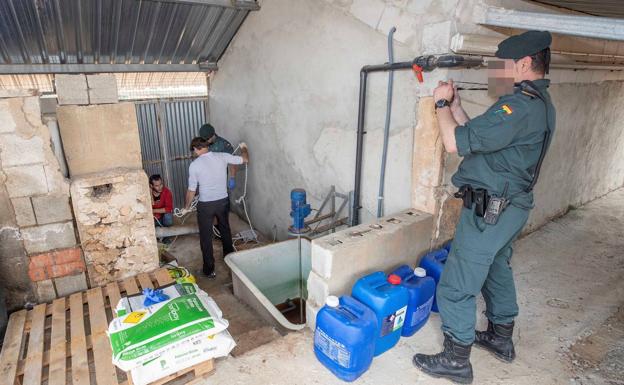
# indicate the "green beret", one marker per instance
pixel 525 44
pixel 206 131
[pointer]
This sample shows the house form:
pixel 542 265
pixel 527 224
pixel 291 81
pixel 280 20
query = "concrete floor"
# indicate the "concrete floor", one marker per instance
pixel 246 327
pixel 570 281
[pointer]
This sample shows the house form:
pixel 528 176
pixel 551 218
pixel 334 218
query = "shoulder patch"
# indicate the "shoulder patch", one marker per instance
pixel 505 109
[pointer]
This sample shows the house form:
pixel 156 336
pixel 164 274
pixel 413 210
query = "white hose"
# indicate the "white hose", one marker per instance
pixel 182 213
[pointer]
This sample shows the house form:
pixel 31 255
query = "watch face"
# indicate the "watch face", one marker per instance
pixel 442 103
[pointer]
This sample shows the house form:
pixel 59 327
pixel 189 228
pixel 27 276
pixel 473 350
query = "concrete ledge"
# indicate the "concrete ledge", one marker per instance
pixel 339 259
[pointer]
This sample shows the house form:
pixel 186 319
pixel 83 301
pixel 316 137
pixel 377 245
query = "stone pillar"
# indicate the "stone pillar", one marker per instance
pixel 431 189
pixel 114 219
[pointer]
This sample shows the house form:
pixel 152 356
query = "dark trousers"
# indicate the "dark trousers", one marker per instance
pixel 206 212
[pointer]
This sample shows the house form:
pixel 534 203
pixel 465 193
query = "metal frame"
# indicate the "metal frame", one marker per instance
pixel 17 69
pixel 333 215
pixel 250 5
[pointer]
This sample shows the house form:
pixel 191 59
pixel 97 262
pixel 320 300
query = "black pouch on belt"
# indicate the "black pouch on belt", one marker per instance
pixel 480 197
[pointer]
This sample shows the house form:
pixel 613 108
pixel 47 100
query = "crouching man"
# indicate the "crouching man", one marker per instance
pixel 162 202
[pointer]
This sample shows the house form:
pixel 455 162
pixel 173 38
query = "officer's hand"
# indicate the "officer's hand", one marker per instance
pixel 456 102
pixel 443 91
pixel 231 183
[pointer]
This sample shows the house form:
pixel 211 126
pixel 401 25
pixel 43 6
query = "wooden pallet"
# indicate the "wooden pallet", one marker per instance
pixel 65 342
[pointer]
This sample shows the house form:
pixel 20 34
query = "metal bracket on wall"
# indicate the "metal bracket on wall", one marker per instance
pixel 331 216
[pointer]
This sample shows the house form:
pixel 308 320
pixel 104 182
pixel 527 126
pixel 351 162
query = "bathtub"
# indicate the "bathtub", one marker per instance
pixel 267 276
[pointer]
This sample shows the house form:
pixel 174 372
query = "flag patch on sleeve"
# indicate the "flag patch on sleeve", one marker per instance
pixel 506 109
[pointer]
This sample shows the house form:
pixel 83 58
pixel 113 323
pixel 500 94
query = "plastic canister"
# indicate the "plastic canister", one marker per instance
pixel 434 262
pixel 344 339
pixel 388 300
pixel 421 291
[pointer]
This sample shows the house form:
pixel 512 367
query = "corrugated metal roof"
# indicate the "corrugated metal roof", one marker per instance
pixel 607 8
pixel 121 35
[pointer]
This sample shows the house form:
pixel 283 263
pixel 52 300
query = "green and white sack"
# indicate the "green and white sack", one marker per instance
pixel 183 357
pixel 146 334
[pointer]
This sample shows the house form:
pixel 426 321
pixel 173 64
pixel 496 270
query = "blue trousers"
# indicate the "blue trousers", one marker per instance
pixel 166 220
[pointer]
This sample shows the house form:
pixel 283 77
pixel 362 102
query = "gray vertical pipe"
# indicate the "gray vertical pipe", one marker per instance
pixel 384 156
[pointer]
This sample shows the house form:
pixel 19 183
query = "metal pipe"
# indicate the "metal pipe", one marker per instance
pixel 584 26
pixel 384 154
pixel 421 64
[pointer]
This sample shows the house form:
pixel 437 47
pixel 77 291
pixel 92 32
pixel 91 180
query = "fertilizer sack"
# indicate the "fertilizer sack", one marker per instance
pixel 145 334
pixel 135 302
pixel 183 357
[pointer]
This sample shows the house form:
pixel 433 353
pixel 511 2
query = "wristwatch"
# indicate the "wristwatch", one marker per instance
pixel 441 103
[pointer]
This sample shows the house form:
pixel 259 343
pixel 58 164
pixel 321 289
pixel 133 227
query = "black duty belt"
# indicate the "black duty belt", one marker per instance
pixel 479 197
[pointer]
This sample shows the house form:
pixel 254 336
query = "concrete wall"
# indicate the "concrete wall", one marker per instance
pixel 36 217
pixel 288 86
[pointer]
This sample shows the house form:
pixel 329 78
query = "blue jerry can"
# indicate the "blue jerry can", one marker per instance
pixel 433 262
pixel 421 291
pixel 388 300
pixel 344 339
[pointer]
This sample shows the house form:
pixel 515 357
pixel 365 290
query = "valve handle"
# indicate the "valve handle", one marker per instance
pixel 418 71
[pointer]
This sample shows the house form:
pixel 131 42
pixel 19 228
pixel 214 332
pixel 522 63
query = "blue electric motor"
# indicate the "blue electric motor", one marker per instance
pixel 299 210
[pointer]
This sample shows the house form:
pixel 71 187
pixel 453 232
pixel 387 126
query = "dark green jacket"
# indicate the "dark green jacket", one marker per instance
pixel 503 145
pixel 221 145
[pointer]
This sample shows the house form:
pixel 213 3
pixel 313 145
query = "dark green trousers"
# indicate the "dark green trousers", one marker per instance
pixel 479 261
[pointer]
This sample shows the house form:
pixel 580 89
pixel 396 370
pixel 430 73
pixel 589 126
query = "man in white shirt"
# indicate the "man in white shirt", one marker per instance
pixel 208 173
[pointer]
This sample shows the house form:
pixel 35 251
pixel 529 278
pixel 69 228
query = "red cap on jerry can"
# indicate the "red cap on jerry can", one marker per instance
pixel 394 279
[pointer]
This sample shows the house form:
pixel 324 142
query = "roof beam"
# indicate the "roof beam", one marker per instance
pixel 585 26
pixel 249 5
pixel 103 68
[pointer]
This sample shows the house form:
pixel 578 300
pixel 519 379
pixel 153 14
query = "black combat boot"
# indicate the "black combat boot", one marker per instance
pixel 452 363
pixel 497 339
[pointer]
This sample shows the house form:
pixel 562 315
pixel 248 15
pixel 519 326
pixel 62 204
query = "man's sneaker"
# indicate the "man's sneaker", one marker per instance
pixel 452 363
pixel 497 339
pixel 212 275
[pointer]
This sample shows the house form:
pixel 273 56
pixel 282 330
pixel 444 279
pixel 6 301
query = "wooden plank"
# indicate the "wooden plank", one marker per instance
pixel 145 281
pixel 112 291
pixel 79 359
pixel 204 367
pixel 46 356
pixel 105 373
pixel 12 346
pixel 34 357
pixel 130 286
pixel 162 277
pixel 58 344
pixel 199 371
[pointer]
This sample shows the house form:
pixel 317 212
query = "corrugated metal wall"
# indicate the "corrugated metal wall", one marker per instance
pixel 166 128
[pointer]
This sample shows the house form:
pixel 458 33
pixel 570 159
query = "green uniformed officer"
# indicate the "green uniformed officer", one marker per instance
pixel 502 153
pixel 219 144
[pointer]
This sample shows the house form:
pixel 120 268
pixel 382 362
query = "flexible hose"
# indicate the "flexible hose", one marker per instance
pixel 384 155
pixel 181 213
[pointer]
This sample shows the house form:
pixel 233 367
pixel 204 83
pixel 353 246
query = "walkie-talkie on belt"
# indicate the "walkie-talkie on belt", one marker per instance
pixel 495 207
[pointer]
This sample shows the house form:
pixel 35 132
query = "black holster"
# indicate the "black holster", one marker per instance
pixel 479 197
